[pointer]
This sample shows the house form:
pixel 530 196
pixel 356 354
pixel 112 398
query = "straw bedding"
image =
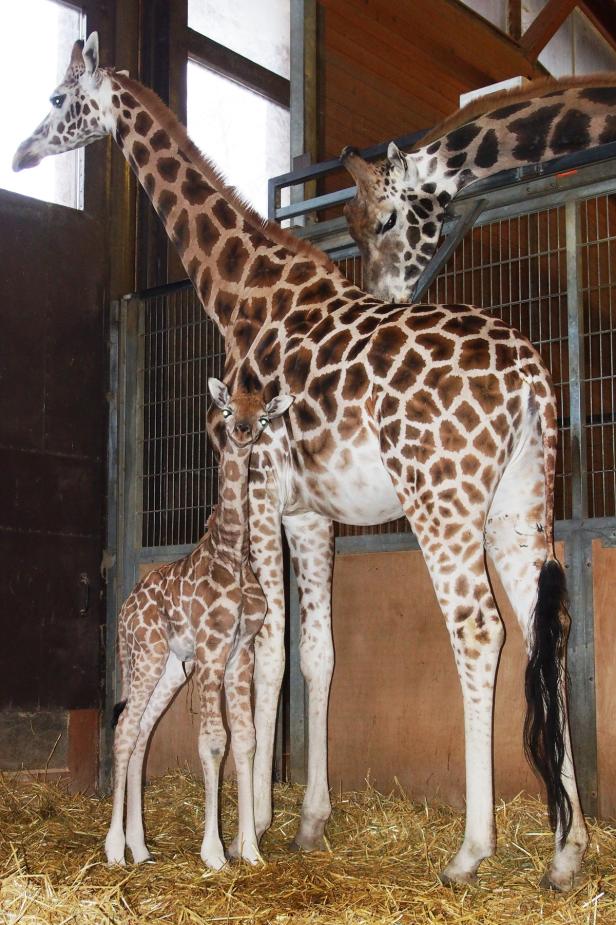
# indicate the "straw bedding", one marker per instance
pixel 381 866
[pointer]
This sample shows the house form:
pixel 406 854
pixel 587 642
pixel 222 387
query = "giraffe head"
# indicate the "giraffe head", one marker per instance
pixel 80 109
pixel 245 413
pixel 395 219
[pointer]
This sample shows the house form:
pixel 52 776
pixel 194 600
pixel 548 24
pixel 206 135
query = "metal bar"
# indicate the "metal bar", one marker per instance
pixel 297 692
pixel 433 267
pixel 111 561
pixel 581 662
pixel 316 202
pixel 314 171
pixel 130 461
pixel 375 542
pixel 576 363
pixel 578 550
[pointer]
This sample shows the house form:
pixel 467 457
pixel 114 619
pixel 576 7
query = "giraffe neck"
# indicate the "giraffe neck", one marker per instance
pixel 524 128
pixel 228 251
pixel 230 531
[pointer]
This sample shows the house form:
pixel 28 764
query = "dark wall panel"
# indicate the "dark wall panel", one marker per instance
pixel 52 441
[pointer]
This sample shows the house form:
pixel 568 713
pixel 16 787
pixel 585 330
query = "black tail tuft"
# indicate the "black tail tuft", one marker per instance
pixel 546 681
pixel 117 711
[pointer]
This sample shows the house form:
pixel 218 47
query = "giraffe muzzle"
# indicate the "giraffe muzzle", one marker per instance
pixel 25 157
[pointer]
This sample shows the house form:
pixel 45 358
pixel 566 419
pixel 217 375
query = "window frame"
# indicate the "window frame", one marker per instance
pixel 228 63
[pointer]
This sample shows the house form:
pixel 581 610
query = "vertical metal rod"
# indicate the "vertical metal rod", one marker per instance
pixel 577 412
pixel 297 705
pixel 112 551
pixel 577 552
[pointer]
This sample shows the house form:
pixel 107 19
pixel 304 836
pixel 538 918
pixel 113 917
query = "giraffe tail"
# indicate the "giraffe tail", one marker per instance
pixel 546 674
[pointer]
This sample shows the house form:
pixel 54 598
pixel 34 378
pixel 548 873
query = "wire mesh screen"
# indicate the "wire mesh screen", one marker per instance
pixel 516 268
pixel 597 235
pixel 180 348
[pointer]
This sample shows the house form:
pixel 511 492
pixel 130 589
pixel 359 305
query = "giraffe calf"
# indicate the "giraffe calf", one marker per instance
pixel 203 613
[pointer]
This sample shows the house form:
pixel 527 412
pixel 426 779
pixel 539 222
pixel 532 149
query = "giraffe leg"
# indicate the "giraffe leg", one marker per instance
pixel 311 541
pixel 146 670
pixel 476 633
pixel 210 671
pixel 518 545
pixel 267 562
pixel 238 677
pixel 171 680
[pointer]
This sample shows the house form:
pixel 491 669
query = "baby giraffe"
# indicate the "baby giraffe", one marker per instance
pixel 201 612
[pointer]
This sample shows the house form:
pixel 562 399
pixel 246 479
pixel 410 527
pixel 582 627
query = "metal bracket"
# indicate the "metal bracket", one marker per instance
pixel 464 223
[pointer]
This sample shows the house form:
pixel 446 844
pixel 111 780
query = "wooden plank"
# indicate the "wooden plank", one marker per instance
pixel 406 63
pixel 83 739
pixel 395 88
pixel 604 591
pixel 396 707
pixel 446 28
pixel 514 19
pixel 543 27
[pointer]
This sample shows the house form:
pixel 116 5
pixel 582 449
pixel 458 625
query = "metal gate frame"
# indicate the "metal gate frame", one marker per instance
pixel 124 556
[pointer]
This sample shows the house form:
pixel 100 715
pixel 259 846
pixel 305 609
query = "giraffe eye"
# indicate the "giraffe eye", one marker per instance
pixel 263 421
pixel 56 101
pixel 227 413
pixel 388 225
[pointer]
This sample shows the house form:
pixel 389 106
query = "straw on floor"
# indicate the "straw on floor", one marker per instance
pixel 381 867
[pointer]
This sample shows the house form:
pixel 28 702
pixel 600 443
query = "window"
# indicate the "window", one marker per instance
pixel 238 90
pixel 258 31
pixel 35 47
pixel 245 134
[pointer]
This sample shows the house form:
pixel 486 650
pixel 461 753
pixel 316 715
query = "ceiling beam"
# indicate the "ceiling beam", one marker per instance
pixel 543 27
pixel 602 14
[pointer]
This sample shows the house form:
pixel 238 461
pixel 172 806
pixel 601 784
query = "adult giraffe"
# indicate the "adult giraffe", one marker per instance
pixel 439 412
pixel 399 209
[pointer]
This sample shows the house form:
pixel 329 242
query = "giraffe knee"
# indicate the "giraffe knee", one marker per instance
pixel 480 632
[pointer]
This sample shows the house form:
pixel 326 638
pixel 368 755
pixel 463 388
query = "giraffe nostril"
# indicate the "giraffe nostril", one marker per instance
pixel 243 427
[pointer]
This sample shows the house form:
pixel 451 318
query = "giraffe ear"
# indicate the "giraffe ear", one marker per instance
pixel 279 405
pixel 219 392
pixel 403 167
pixel 90 53
pixel 77 53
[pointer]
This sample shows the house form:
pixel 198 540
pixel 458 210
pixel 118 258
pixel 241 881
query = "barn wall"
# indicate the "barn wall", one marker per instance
pixel 59 266
pixel 396 706
pixel 386 68
pixel 604 569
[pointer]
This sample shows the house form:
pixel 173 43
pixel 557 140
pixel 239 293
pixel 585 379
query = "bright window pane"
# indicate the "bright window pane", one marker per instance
pixel 245 135
pixel 256 30
pixel 36 38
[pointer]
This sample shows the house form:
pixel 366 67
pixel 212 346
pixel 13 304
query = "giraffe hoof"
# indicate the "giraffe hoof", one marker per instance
pixel 560 884
pixel 303 844
pixel 457 879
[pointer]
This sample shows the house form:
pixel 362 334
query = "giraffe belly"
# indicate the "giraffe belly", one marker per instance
pixel 355 490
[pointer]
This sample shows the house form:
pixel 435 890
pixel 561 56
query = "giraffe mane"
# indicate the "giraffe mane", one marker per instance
pixel 214 174
pixel 491 101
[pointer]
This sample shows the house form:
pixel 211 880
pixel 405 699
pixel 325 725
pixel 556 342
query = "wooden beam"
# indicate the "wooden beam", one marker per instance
pixel 234 66
pixel 602 14
pixel 543 27
pixel 514 19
